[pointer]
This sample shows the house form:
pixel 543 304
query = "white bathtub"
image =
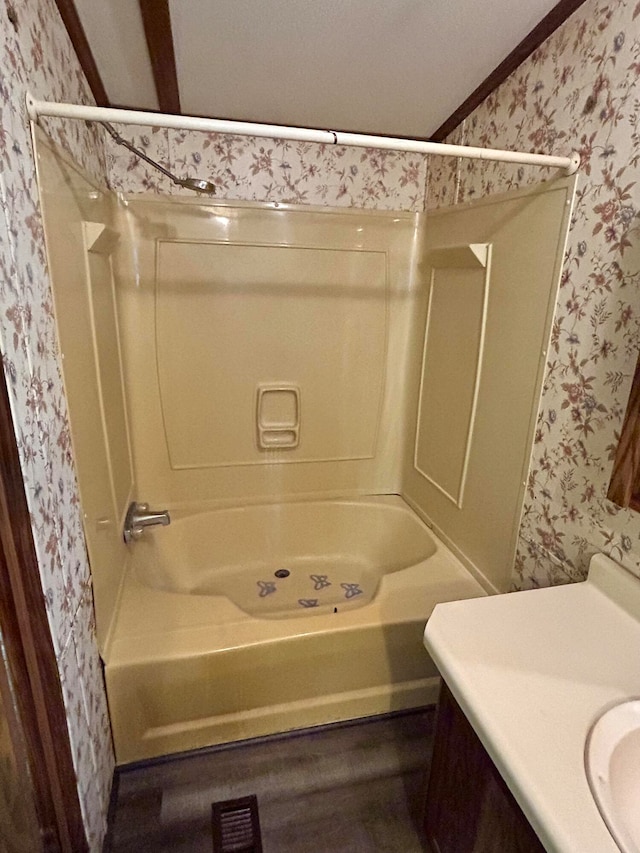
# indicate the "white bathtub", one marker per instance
pixel 209 645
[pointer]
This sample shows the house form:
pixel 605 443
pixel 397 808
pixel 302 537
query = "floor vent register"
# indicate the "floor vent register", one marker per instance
pixel 236 826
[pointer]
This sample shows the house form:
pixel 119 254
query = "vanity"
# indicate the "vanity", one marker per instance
pixel 527 675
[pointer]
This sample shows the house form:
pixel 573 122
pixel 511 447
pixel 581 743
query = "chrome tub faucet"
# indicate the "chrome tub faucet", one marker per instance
pixel 140 516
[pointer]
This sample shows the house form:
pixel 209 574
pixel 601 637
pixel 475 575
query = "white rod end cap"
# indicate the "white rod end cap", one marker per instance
pixel 574 164
pixel 32 110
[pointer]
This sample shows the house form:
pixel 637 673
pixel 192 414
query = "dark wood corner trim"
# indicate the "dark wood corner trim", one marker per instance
pixel 156 19
pixel 71 20
pixel 30 658
pixel 548 25
pixel 624 488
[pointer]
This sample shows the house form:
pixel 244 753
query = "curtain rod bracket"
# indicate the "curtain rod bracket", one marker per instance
pixel 32 111
pixel 574 164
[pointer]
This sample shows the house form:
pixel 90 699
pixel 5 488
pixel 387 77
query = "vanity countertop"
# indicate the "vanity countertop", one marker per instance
pixel 532 671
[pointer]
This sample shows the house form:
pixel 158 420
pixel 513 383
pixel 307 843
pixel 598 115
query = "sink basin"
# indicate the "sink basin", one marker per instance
pixel 612 760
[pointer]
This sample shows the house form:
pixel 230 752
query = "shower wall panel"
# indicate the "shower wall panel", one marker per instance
pixel 489 275
pixel 451 361
pixel 267 320
pixel 78 220
pixel 264 349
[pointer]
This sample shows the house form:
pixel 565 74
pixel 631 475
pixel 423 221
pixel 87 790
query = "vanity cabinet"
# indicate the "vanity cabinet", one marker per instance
pixel 469 807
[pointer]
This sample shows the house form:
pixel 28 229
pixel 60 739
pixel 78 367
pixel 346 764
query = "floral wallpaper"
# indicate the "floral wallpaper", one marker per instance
pixel 253 169
pixel 579 90
pixel 36 56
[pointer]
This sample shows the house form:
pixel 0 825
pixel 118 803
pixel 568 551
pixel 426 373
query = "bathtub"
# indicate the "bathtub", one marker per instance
pixel 245 621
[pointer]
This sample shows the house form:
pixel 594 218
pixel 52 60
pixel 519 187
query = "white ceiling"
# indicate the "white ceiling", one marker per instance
pixel 398 67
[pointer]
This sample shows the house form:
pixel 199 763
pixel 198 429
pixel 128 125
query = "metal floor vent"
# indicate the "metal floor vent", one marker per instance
pixel 236 826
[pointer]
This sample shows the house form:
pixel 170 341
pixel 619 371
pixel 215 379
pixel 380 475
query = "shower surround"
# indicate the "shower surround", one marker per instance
pixel 304 389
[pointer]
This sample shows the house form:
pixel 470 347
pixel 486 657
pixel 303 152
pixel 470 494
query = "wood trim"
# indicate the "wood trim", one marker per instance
pixel 72 22
pixel 624 488
pixel 31 658
pixel 548 25
pixel 156 19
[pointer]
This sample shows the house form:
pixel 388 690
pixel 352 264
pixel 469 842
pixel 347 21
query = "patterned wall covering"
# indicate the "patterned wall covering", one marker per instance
pixel 578 90
pixel 36 55
pixel 255 169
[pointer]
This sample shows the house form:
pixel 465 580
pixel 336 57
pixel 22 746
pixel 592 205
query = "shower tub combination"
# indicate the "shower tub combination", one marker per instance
pixel 239 622
pixel 191 332
pixel 194 335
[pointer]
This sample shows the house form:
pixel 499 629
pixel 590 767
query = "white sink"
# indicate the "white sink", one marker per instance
pixel 612 760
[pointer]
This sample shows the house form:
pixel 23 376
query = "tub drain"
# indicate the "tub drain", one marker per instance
pixel 282 573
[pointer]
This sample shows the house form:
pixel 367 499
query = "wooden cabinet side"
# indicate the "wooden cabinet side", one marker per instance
pixel 469 807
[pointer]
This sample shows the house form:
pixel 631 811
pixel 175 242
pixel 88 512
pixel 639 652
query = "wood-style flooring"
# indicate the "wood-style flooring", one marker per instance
pixel 346 788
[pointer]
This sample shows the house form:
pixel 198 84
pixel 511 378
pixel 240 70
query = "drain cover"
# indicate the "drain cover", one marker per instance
pixel 282 573
pixel 236 826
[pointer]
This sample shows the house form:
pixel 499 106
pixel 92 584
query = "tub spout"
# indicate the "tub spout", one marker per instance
pixel 140 516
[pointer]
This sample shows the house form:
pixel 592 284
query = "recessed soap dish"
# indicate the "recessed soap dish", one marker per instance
pixel 278 416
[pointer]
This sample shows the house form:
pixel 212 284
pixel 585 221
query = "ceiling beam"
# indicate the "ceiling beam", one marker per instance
pixel 156 19
pixel 548 25
pixel 71 20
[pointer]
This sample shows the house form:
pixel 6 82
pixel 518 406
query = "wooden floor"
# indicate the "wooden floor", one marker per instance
pixel 348 788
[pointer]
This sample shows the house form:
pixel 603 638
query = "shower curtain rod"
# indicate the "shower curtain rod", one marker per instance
pixel 36 108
